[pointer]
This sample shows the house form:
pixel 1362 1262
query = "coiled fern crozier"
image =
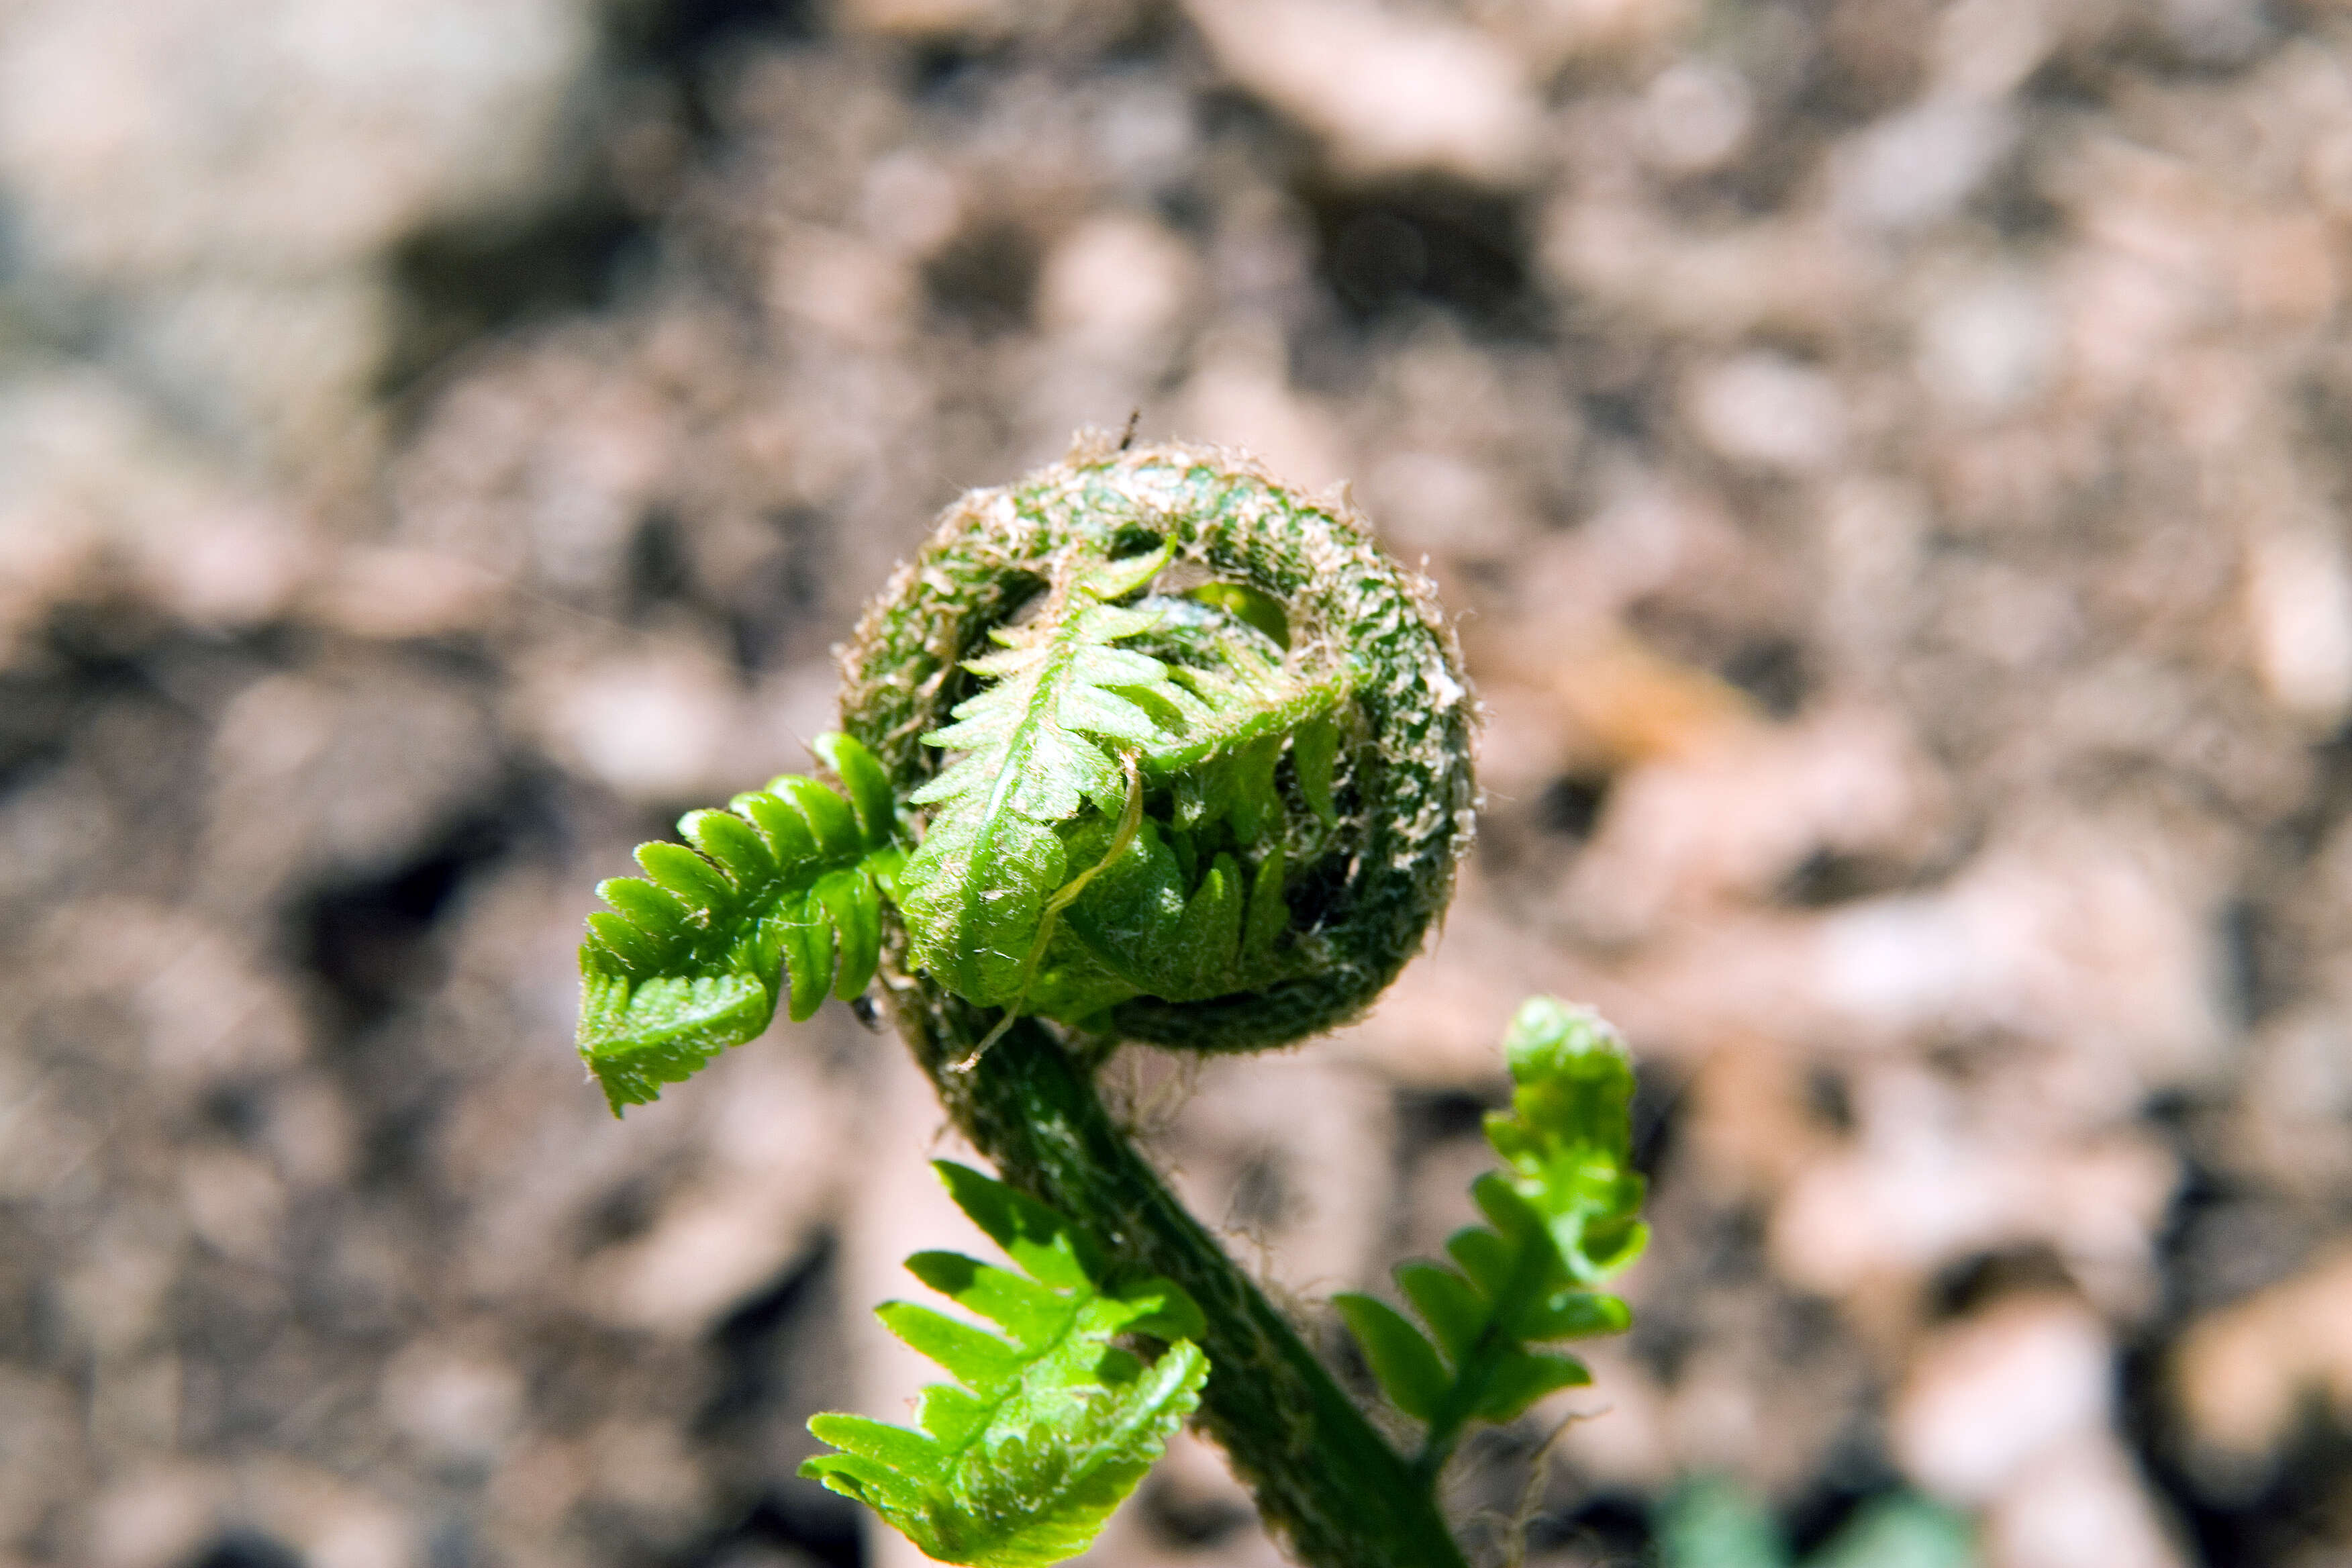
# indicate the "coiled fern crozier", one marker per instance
pixel 1145 748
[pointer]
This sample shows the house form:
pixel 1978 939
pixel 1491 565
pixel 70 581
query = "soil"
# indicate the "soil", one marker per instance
pixel 1887 459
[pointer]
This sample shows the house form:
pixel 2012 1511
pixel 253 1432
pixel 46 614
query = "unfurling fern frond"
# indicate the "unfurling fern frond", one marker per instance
pixel 1564 1218
pixel 787 891
pixel 1207 777
pixel 1051 1423
pixel 1304 771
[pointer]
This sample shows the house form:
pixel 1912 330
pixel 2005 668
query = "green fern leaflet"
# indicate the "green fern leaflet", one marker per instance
pixel 786 893
pixel 1051 1423
pixel 1043 741
pixel 1566 1218
pixel 1114 825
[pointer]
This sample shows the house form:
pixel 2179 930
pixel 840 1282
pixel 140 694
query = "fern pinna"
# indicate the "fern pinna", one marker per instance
pixel 1114 826
pixel 787 890
pixel 1051 1426
pixel 1144 748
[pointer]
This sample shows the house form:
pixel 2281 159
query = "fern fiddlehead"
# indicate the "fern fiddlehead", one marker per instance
pixel 1329 735
pixel 1144 747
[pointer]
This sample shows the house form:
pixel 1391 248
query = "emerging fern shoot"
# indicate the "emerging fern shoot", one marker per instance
pixel 1145 747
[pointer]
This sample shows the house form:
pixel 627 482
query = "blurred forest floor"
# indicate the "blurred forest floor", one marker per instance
pixel 1889 457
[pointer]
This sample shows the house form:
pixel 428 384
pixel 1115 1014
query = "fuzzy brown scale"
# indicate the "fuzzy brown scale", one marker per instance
pixel 1405 776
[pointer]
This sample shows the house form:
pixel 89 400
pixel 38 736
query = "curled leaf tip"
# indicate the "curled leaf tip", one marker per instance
pixel 1290 696
pixel 1547 1035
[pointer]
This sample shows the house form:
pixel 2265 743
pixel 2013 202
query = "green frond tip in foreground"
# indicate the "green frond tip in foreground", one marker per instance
pixel 782 892
pixel 1712 1522
pixel 1053 1422
pixel 1564 1218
